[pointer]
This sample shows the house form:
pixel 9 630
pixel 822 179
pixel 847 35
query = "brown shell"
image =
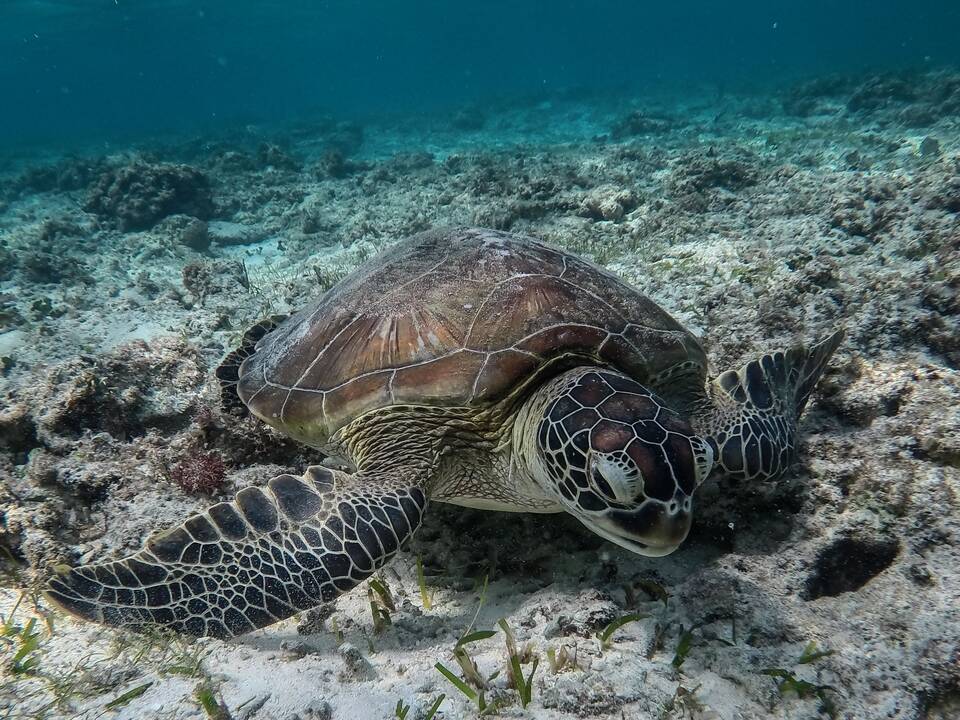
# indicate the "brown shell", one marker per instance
pixel 453 318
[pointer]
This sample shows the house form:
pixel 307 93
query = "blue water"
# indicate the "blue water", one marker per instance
pixel 105 69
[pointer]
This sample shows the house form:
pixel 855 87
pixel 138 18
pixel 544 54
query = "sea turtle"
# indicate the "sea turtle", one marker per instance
pixel 465 366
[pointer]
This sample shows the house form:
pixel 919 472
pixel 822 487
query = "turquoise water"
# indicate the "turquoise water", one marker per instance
pixel 102 69
pixel 172 172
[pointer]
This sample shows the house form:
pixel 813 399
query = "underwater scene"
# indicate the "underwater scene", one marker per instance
pixel 434 360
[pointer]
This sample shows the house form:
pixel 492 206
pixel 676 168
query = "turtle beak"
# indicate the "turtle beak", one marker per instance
pixel 652 529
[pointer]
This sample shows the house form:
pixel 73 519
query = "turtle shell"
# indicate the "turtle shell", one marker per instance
pixel 454 318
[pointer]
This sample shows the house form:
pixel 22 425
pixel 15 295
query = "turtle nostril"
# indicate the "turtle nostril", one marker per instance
pixel 672 507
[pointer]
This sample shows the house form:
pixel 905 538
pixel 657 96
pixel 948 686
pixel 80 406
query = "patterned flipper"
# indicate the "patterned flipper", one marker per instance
pixel 753 424
pixel 249 563
pixel 228 372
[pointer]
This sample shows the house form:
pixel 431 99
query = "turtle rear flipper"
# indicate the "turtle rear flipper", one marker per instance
pixel 228 372
pixel 753 419
pixel 249 563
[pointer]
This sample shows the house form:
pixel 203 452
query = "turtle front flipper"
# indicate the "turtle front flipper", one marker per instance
pixel 752 420
pixel 228 372
pixel 252 562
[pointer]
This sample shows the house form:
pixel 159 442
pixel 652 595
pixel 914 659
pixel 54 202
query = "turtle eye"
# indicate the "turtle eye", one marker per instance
pixel 616 476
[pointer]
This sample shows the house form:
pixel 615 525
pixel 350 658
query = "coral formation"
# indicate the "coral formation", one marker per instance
pixel 272 156
pixel 72 173
pixel 137 195
pixel 607 202
pixel 640 123
pixel 704 171
pixel 754 229
pixel 124 392
pixel 915 100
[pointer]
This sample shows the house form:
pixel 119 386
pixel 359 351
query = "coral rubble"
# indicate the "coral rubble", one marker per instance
pixel 756 221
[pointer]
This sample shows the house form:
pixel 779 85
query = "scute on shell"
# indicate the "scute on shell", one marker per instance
pixel 454 318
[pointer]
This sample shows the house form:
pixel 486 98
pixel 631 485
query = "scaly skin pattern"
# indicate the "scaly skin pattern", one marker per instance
pixel 249 563
pixel 455 318
pixel 752 414
pixel 616 457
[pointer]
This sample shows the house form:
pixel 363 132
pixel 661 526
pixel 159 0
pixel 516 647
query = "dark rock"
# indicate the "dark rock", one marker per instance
pixel 693 202
pixel 864 218
pixel 810 97
pixel 312 621
pixel 947 196
pixel 704 171
pixel 539 188
pixel 943 295
pixel 334 164
pixel 856 161
pixel 194 235
pixel 234 161
pixel 879 92
pixel 495 217
pixel 920 574
pixel 66 175
pixel 10 316
pixel 929 147
pixel 408 162
pixel 607 203
pixel 942 335
pixel 356 668
pixel 205 278
pixel 345 136
pixel 595 611
pixel 8 263
pixel 45 265
pixel 230 233
pixel 918 115
pixel 640 123
pixel 17 432
pixel 138 195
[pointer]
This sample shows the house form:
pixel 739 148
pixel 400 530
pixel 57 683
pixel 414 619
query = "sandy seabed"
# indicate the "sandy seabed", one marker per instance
pixel 757 221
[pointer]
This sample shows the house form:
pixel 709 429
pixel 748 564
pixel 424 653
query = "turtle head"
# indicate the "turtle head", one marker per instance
pixel 616 458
